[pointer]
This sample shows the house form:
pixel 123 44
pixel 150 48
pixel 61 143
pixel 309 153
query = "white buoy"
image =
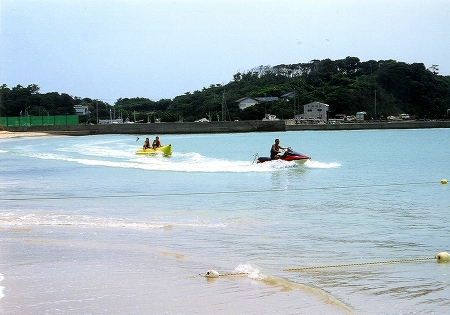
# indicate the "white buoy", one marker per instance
pixel 212 274
pixel 443 256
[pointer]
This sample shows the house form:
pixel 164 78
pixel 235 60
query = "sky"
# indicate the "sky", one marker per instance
pixel 111 49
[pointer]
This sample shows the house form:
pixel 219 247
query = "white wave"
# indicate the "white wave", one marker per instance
pixel 9 220
pixel 1 288
pixel 118 154
pixel 110 151
pixel 192 162
pixel 317 164
pixel 178 162
pixel 277 165
pixel 253 273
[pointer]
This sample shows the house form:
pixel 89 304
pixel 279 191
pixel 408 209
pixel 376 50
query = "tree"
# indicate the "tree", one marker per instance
pixel 347 85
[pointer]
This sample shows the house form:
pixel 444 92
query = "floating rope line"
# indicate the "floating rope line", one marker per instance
pixel 251 191
pixel 442 257
pixel 233 274
pixel 359 264
pixel 215 274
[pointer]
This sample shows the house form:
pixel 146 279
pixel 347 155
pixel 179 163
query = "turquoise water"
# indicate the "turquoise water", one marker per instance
pixel 89 227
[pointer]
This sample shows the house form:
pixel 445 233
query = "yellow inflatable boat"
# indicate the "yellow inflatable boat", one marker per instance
pixel 165 150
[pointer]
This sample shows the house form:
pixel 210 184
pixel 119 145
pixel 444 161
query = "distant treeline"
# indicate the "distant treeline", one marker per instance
pixel 347 85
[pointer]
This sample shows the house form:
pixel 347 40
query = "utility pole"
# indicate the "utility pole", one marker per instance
pixel 224 107
pixel 375 104
pixel 294 103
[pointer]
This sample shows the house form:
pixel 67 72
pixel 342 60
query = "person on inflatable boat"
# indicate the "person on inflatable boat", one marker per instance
pixel 146 144
pixel 156 143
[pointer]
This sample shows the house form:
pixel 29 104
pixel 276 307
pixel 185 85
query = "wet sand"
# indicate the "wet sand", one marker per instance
pixel 78 274
pixel 11 134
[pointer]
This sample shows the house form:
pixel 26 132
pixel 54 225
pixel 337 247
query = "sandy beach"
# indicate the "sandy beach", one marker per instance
pixel 10 134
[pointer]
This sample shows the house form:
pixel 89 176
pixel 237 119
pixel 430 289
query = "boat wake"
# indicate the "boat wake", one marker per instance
pixel 181 162
pixel 120 155
pixel 178 162
pixel 196 162
pixel 317 164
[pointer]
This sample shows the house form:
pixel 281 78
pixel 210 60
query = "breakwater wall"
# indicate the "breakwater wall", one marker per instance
pixel 411 124
pixel 219 127
pixel 159 128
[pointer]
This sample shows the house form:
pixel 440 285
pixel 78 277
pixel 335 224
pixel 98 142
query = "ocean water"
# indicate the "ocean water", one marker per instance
pixel 88 227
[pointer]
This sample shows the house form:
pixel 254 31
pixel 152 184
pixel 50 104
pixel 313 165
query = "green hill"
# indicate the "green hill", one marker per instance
pixel 347 85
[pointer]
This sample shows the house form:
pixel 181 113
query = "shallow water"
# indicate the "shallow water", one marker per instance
pixel 89 227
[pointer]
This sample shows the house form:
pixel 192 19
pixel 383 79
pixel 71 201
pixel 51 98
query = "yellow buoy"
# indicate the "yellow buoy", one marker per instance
pixel 443 256
pixel 443 181
pixel 212 274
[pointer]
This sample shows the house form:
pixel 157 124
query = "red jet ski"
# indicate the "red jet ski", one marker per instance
pixel 288 155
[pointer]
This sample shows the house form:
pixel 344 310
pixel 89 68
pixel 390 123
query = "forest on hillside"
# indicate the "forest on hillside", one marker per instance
pixel 347 85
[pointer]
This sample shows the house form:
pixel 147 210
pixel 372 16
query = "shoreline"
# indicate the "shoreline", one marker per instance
pixel 213 127
pixel 21 134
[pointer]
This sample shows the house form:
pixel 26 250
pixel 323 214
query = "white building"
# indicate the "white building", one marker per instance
pixel 246 102
pixel 360 116
pixel 315 110
pixel 110 121
pixel 81 110
pixel 250 101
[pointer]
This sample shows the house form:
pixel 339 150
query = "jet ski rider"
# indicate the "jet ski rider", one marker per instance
pixel 275 150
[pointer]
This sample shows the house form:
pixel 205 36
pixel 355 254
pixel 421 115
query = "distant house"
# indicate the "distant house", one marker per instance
pixel 315 110
pixel 360 116
pixel 110 121
pixel 251 101
pixel 246 102
pixel 81 110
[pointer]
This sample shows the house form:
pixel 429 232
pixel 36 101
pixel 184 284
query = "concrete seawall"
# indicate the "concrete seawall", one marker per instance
pixel 159 128
pixel 220 127
pixel 373 125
